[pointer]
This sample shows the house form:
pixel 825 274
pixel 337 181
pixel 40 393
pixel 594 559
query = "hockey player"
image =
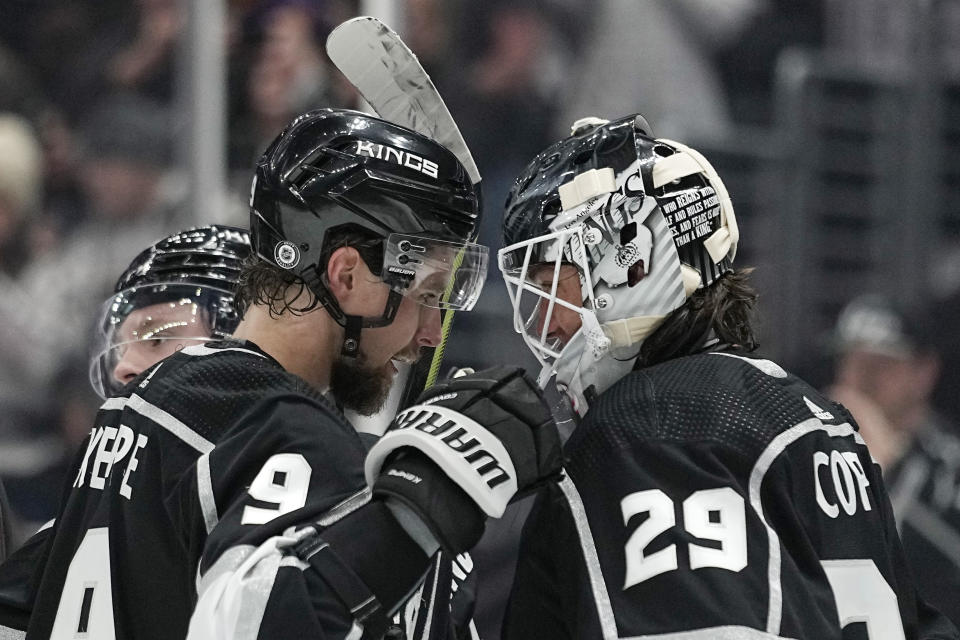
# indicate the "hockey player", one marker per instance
pixel 178 291
pixel 200 475
pixel 710 493
pixel 175 293
pixel 886 370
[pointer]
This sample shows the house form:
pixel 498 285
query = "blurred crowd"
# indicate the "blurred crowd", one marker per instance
pixel 91 171
pixel 91 149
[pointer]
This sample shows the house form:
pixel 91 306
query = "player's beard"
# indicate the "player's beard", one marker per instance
pixel 359 387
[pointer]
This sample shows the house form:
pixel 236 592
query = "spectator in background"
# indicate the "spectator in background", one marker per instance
pixel 177 292
pixel 81 51
pixel 503 98
pixel 945 287
pixel 47 308
pixel 886 372
pixel 288 74
pixel 666 72
pixel 146 62
pixel 20 190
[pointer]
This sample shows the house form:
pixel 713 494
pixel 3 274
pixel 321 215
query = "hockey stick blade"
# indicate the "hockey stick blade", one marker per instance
pixel 391 79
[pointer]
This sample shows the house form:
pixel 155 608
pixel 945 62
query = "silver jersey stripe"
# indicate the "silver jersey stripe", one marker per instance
pixel 355 633
pixel 208 501
pixel 228 561
pixel 203 350
pixel 345 508
pixel 608 624
pixel 760 468
pixel 113 404
pixel 6 633
pixel 257 586
pixel 768 367
pixel 241 582
pixel 714 633
pixel 169 423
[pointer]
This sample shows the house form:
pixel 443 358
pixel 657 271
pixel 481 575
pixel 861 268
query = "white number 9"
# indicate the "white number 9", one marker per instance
pixel 284 480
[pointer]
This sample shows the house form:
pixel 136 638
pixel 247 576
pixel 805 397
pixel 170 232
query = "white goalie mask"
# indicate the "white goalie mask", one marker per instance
pixel 605 234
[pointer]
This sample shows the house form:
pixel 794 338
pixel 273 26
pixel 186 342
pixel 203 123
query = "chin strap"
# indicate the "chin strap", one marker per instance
pixel 351 324
pixel 351 340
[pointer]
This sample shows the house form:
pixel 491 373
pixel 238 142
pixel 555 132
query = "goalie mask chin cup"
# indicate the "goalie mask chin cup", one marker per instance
pixel 336 169
pixel 178 291
pixel 646 222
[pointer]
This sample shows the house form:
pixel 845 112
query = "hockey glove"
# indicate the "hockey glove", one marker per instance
pixel 490 433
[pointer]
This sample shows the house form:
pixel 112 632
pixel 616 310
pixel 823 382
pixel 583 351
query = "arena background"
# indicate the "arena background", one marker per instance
pixel 835 124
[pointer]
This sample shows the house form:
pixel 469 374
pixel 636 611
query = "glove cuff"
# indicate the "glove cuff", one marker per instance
pixel 464 451
pixel 452 516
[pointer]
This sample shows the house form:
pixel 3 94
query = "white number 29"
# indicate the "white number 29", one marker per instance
pixel 284 480
pixel 709 514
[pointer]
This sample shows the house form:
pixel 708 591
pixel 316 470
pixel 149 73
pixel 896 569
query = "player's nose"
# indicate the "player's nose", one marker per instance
pixel 428 332
pixel 542 317
pixel 127 368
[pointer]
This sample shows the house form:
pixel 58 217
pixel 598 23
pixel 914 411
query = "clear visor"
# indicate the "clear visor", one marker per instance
pixel 546 292
pixel 140 326
pixel 436 273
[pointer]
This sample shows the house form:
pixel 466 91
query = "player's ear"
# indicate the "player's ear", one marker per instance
pixel 342 271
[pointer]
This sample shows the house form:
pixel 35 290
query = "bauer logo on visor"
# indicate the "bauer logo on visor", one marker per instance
pixel 436 273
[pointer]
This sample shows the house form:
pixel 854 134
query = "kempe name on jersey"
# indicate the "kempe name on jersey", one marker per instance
pixel 108 447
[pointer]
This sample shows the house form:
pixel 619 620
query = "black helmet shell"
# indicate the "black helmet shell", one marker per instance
pixel 204 256
pixel 534 199
pixel 334 167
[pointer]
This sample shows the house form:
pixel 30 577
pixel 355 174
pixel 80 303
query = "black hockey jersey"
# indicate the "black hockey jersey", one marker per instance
pixel 191 469
pixel 924 487
pixel 716 496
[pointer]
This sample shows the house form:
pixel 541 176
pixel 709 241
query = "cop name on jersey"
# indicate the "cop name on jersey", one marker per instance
pixel 405 158
pixel 840 482
pixel 107 447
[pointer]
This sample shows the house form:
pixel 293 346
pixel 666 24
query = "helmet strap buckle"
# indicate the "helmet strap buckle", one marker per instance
pixel 351 341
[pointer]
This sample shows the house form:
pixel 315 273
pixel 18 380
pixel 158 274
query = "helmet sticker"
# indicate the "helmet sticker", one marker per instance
pixel 286 255
pixel 692 214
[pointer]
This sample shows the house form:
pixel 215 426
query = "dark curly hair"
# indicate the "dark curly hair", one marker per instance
pixel 725 308
pixel 262 282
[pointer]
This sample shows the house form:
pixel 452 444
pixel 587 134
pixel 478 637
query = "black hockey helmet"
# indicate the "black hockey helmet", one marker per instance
pixel 534 201
pixel 336 169
pixel 644 221
pixel 188 281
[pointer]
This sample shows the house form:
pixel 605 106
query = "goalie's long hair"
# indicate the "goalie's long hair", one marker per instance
pixel 723 310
